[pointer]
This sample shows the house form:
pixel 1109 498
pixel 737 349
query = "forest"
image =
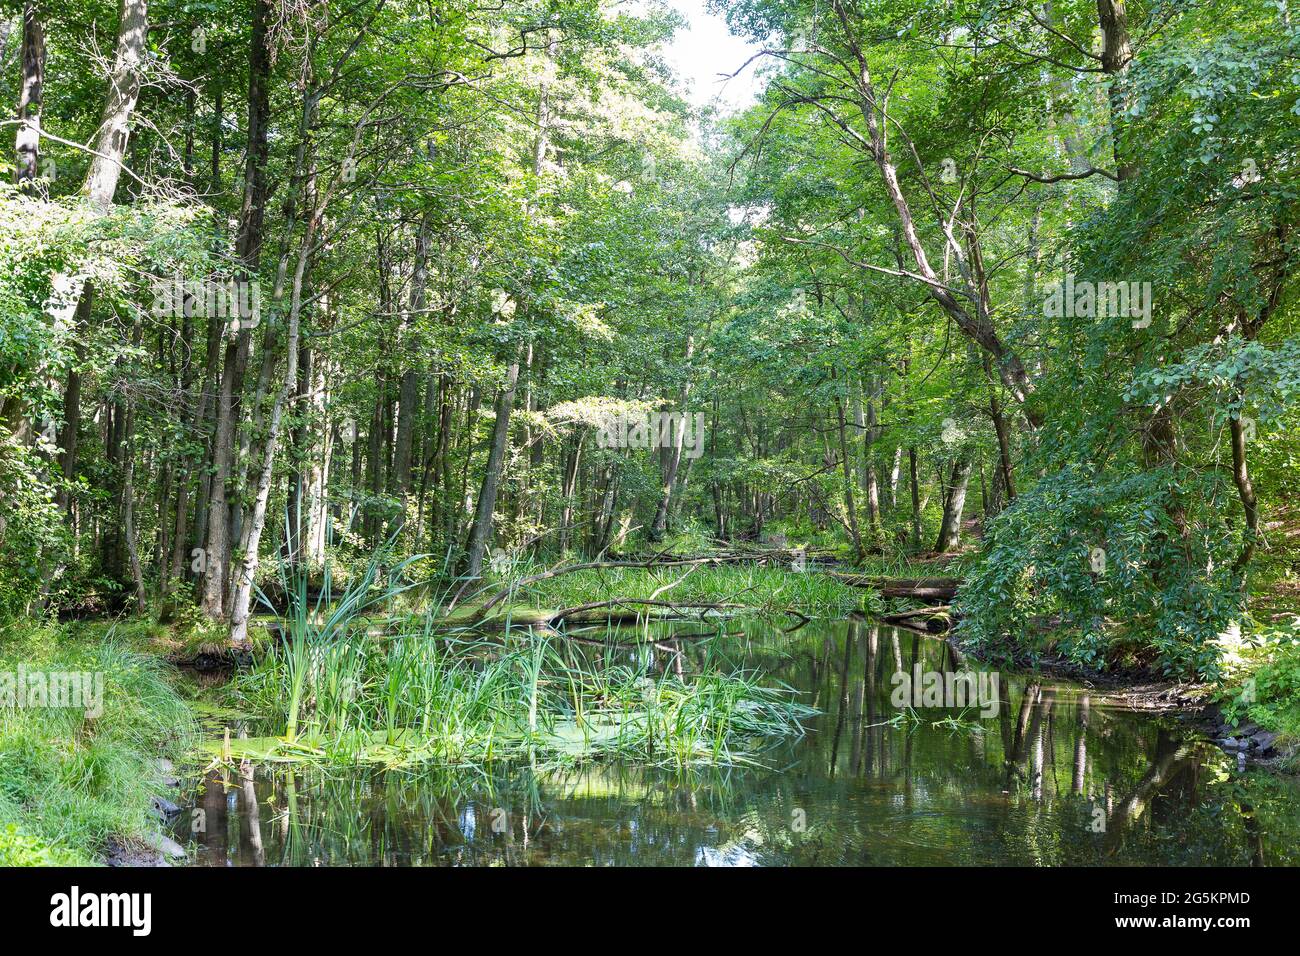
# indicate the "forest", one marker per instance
pixel 427 385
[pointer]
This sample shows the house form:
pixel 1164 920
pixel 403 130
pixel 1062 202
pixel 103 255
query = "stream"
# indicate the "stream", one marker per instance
pixel 1027 773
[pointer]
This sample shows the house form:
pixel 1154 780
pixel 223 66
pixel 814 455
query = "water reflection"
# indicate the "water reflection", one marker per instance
pixel 1058 775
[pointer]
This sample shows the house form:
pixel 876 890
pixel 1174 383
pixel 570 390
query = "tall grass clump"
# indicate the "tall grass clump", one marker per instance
pixel 765 589
pixel 409 699
pixel 69 782
pixel 334 687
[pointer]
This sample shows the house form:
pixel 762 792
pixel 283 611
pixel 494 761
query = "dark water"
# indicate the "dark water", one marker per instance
pixel 1036 774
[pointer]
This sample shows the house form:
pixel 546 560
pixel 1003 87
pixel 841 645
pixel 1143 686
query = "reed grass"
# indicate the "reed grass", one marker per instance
pixel 765 589
pixel 331 688
pixel 406 700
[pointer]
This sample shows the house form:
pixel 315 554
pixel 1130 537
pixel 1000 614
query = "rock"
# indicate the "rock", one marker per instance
pixel 165 807
pixel 169 847
pixel 1248 731
pixel 1230 743
pixel 1264 741
pixel 168 773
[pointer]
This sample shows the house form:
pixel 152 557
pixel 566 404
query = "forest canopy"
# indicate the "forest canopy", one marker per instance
pixel 290 283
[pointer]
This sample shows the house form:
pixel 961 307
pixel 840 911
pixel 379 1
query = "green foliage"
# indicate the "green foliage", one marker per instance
pixel 21 849
pixel 1098 570
pixel 70 781
pixel 1265 686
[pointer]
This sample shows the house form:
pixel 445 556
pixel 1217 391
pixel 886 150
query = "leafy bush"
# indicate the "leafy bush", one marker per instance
pixel 1152 598
pixel 1266 688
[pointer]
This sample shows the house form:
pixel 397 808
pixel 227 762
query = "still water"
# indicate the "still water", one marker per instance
pixel 1045 773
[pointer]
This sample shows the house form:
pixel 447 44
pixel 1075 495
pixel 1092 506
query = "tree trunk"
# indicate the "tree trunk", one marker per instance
pixel 659 526
pixel 30 97
pixel 408 390
pixel 1249 503
pixel 1116 54
pixel 248 246
pixel 243 584
pixel 847 468
pixel 124 89
pixel 954 503
pixel 481 530
pixel 128 513
pixel 916 498
pixel 869 437
pixel 568 487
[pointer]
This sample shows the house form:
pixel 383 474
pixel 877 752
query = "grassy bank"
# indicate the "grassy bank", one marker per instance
pixel 763 589
pixel 74 778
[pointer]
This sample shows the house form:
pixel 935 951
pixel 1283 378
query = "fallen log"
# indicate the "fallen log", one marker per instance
pixel 625 604
pixel 939 589
pixel 931 619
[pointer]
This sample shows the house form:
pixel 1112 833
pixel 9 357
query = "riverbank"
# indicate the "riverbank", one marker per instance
pixel 78 787
pixel 90 720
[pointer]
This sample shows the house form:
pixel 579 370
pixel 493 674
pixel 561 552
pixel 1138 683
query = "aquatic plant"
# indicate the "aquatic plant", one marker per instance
pixel 407 699
pixel 766 589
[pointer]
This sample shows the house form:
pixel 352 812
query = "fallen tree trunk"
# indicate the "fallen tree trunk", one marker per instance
pixel 941 589
pixel 933 620
pixel 671 606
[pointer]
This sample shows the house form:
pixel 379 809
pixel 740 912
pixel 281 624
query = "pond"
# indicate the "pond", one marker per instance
pixel 1027 773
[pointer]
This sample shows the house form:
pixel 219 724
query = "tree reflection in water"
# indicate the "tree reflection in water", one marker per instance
pixel 1060 776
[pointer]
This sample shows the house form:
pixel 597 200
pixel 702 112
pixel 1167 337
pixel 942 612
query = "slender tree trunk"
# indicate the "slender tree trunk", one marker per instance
pixel 1249 503
pixel 916 498
pixel 128 513
pixel 408 390
pixel 847 467
pixel 895 471
pixel 568 487
pixel 247 573
pixel 481 530
pixel 659 527
pixel 869 438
